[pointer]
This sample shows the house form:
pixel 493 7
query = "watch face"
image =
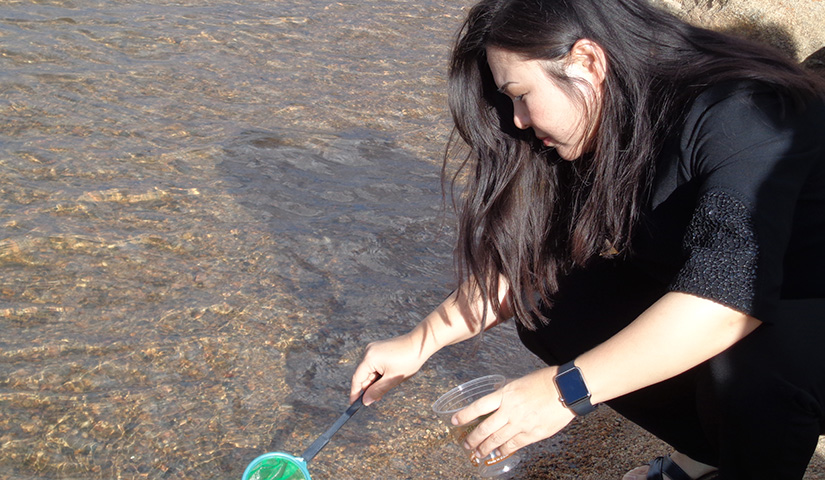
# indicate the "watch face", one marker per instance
pixel 572 387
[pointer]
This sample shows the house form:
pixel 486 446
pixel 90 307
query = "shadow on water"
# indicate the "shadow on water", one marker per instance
pixel 357 235
pixel 344 202
pixel 186 350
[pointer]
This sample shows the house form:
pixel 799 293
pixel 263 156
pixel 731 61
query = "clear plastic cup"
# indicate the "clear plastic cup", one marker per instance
pixel 492 465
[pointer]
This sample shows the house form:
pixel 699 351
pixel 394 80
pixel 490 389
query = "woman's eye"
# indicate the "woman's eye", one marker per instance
pixel 518 98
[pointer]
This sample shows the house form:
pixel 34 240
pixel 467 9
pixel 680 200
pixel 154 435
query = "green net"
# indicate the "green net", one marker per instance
pixel 276 468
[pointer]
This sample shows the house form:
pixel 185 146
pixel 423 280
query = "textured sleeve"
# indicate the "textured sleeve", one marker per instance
pixel 751 155
pixel 722 253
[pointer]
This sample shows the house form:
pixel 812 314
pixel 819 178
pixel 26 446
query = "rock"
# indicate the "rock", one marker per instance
pixel 797 27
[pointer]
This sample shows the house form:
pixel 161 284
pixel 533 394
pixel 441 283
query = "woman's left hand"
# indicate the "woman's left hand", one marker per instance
pixel 524 411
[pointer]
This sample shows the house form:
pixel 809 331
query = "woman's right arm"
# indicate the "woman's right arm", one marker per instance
pixel 387 363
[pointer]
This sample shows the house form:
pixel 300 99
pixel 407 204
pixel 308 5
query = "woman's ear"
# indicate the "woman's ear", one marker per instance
pixel 587 61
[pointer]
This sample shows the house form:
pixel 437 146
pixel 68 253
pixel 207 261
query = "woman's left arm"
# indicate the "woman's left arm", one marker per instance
pixel 674 335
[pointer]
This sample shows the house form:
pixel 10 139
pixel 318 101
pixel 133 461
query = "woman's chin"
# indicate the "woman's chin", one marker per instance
pixel 567 153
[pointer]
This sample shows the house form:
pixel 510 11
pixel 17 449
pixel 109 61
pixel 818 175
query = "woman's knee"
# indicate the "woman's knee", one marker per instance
pixel 759 391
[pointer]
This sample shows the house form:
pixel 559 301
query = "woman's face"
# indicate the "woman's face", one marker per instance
pixel 558 120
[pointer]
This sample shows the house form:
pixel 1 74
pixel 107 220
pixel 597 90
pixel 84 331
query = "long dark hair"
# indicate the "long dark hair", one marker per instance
pixel 525 215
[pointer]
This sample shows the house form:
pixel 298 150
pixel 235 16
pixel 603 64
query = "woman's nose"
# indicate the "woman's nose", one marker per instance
pixel 520 116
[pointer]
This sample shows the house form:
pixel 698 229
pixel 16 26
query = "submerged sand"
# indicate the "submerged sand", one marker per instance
pixel 171 308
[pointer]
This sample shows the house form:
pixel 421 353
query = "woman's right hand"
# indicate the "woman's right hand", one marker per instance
pixel 389 362
pixel 385 364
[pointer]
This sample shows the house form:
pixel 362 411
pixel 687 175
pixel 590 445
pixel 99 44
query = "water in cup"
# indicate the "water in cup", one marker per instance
pixel 492 465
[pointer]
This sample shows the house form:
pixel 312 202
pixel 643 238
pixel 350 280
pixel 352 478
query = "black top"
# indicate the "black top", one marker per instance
pixel 736 214
pixel 737 207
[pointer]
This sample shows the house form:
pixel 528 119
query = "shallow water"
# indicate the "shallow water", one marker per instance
pixel 207 209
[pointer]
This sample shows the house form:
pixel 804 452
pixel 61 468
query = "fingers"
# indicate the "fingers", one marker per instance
pixel 362 379
pixel 491 433
pixel 502 427
pixel 522 412
pixel 485 411
pixel 496 434
pixel 372 381
pixel 514 444
pixel 385 364
pixel 483 406
pixel 379 386
pixel 374 387
pixel 505 441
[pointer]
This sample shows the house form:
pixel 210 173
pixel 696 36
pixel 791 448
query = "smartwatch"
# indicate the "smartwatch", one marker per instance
pixel 573 392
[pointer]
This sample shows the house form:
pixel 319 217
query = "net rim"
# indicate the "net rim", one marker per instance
pixel 267 456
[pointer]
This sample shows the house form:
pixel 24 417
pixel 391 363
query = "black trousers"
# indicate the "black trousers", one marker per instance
pixel 754 411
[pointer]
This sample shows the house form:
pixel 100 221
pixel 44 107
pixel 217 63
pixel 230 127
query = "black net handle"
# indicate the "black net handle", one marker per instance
pixel 322 441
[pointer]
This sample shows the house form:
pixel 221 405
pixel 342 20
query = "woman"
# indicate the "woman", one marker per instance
pixel 647 200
